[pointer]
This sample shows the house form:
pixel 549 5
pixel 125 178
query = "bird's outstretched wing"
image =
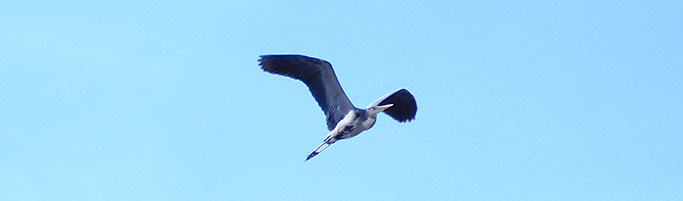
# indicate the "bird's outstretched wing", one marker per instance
pixel 318 75
pixel 404 108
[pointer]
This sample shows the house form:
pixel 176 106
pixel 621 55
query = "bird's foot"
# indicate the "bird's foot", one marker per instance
pixel 311 155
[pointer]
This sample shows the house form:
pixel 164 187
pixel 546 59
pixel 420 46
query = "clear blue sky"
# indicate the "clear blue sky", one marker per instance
pixel 518 100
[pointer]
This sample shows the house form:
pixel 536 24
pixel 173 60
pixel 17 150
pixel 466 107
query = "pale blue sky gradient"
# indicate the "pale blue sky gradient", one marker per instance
pixel 518 100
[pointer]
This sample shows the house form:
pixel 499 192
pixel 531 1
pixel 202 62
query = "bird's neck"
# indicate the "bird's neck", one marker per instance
pixel 369 115
pixel 364 114
pixel 367 120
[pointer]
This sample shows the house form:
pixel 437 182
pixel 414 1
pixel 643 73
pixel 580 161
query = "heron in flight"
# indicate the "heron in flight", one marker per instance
pixel 343 119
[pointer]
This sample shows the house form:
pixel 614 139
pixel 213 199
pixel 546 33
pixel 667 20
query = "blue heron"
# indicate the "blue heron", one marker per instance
pixel 343 119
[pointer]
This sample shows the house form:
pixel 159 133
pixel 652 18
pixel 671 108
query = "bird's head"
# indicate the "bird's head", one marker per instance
pixel 376 109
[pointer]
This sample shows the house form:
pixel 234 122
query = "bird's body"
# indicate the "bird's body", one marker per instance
pixel 343 119
pixel 353 123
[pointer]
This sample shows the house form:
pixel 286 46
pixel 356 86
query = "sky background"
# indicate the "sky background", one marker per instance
pixel 517 100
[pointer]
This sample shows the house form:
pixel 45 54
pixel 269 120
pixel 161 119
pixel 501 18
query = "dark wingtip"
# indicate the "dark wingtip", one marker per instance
pixel 405 106
pixel 291 65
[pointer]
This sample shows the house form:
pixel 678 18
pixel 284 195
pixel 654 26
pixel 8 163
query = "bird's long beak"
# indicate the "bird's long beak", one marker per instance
pixel 384 107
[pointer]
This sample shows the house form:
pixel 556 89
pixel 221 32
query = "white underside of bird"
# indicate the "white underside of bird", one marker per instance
pixel 353 123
